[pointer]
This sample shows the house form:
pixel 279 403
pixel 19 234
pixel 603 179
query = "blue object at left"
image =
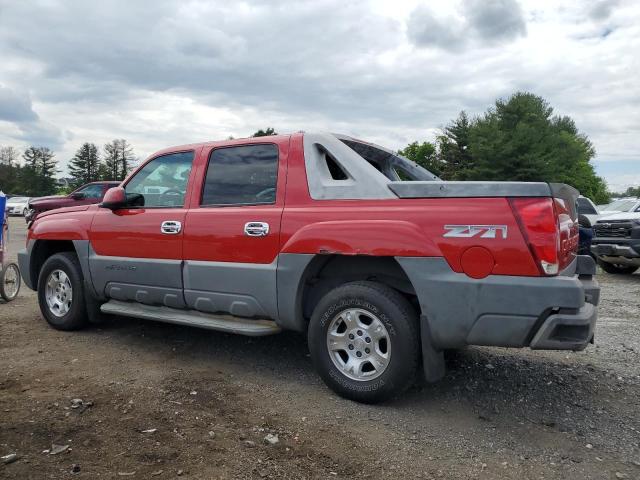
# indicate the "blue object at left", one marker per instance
pixel 3 204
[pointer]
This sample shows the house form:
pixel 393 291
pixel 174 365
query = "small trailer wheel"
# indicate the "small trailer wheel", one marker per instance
pixel 10 282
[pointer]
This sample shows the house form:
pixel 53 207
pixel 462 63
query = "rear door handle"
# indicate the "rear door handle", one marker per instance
pixel 256 229
pixel 171 227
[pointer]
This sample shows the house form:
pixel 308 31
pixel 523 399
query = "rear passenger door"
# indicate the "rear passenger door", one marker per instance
pixel 232 230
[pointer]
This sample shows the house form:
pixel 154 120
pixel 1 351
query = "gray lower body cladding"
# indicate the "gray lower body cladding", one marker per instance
pixel 144 280
pixel 241 289
pixel 539 312
pixel 24 263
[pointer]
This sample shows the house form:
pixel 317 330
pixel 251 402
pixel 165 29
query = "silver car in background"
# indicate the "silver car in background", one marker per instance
pixel 17 206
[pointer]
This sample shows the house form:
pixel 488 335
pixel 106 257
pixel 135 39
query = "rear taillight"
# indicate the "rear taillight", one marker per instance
pixel 568 232
pixel 539 226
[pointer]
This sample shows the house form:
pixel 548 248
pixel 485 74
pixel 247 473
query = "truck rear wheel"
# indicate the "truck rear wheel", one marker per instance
pixel 617 268
pixel 364 341
pixel 60 292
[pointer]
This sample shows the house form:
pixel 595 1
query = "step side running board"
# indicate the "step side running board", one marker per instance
pixel 223 323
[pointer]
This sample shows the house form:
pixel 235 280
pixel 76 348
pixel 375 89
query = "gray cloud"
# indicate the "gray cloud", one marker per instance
pixel 481 22
pixel 41 134
pixel 602 9
pixel 15 107
pixel 240 56
pixel 424 28
pixel 496 20
pixel 169 71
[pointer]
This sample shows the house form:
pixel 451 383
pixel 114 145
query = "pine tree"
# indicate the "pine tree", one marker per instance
pixel 127 158
pixel 84 166
pixel 8 156
pixel 38 174
pixel 48 170
pixel 10 170
pixel 453 148
pixel 118 158
pixel 103 172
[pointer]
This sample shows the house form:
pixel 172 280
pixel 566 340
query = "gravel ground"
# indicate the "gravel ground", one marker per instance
pixel 136 399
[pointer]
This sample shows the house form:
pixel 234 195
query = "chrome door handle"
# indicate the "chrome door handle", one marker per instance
pixel 256 229
pixel 171 227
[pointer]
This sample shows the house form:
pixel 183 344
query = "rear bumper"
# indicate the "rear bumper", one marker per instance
pixel 566 331
pixel 539 312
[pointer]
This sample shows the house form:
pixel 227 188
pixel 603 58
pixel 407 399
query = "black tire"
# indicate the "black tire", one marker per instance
pixel 615 268
pixel 76 316
pixel 6 292
pixel 401 323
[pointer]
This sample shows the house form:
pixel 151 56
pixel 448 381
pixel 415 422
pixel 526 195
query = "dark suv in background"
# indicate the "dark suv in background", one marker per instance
pixel 85 195
pixel 616 243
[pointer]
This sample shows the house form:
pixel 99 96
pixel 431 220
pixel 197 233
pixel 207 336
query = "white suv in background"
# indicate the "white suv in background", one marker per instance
pixel 629 204
pixel 587 208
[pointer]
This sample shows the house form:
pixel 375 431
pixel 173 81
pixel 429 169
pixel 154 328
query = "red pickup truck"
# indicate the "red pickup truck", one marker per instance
pixel 380 263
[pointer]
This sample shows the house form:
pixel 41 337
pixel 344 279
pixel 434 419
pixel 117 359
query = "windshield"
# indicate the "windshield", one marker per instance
pixel 18 200
pixel 622 205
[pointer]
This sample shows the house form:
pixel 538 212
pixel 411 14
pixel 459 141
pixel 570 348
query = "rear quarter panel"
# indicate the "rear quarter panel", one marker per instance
pixel 406 228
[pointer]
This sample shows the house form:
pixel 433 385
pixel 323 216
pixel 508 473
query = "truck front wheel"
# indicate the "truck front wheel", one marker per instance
pixel 364 341
pixel 617 268
pixel 60 292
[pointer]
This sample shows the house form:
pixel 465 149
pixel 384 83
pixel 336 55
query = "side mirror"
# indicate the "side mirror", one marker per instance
pixel 584 221
pixel 114 199
pixel 77 196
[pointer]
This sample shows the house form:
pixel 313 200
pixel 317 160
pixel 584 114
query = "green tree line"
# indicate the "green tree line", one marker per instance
pixel 36 174
pixel 518 139
pixel 629 192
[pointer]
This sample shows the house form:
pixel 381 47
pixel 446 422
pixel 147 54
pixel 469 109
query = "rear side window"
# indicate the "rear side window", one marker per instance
pixel 244 175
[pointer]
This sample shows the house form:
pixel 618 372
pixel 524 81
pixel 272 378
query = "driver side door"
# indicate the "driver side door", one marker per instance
pixel 136 252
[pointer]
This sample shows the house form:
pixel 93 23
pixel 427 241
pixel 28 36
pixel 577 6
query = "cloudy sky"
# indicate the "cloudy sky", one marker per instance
pixel 166 72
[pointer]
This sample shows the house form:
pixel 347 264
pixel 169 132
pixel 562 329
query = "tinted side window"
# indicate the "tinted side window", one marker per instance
pixel 245 175
pixel 91 191
pixel 163 181
pixel 585 207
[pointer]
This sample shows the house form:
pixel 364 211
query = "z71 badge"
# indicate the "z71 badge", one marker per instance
pixel 482 231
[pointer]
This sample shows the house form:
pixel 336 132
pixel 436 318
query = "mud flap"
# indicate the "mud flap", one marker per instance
pixel 432 359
